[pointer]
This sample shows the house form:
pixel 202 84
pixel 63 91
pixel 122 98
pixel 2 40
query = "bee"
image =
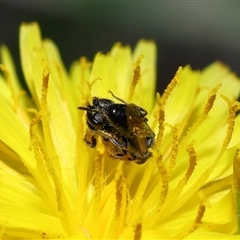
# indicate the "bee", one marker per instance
pixel 122 126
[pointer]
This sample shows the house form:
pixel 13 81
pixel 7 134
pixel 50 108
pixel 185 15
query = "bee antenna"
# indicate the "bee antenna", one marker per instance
pixel 119 99
pixel 83 108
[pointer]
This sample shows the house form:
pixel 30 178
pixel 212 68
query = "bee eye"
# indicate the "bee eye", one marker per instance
pixel 98 118
pixel 143 112
pixel 95 101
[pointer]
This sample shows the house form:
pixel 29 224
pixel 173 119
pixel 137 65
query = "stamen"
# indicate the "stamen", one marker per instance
pixel 138 232
pixel 119 192
pixel 194 225
pixel 98 177
pixel 198 220
pixel 136 77
pixel 121 201
pixel 178 189
pixel 233 107
pixel 171 86
pixel 98 187
pixel 44 106
pixel 48 169
pixel 81 167
pixel 192 163
pixel 207 108
pixel 161 128
pixel 165 182
pixel 162 102
pixel 84 65
pixel 85 87
pixel 45 171
pixel 174 150
pixel 81 151
pixel 166 170
pixel 231 122
pixel 236 181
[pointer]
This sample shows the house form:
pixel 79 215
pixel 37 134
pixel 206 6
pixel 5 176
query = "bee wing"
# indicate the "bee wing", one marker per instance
pixel 143 138
pixel 142 144
pixel 113 138
pixel 117 149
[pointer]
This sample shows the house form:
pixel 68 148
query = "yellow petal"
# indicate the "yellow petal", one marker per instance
pixel 15 136
pixel 147 84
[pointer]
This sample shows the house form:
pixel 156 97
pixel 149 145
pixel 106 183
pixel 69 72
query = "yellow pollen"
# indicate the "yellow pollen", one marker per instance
pixel 165 181
pixel 207 108
pixel 171 86
pixel 138 232
pixel 166 168
pixel 98 176
pixel 192 163
pixel 121 201
pixel 98 186
pixel 170 162
pixel 136 77
pixel 231 122
pixel 194 225
pixel 161 104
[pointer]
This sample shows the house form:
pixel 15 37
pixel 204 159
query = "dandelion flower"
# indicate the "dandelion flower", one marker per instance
pixel 54 186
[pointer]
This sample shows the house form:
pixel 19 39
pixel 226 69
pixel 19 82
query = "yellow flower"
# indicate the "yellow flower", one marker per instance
pixel 53 185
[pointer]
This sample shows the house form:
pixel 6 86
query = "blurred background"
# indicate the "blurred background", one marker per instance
pixel 195 33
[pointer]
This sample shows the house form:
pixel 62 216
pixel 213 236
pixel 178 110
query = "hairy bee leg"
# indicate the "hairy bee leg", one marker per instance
pixel 115 140
pixel 116 151
pixel 90 139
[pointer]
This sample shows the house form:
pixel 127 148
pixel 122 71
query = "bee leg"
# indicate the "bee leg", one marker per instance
pixel 117 151
pixel 90 139
pixel 141 154
pixel 114 150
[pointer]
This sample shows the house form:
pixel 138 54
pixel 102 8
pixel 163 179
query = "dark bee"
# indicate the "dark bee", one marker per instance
pixel 123 128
